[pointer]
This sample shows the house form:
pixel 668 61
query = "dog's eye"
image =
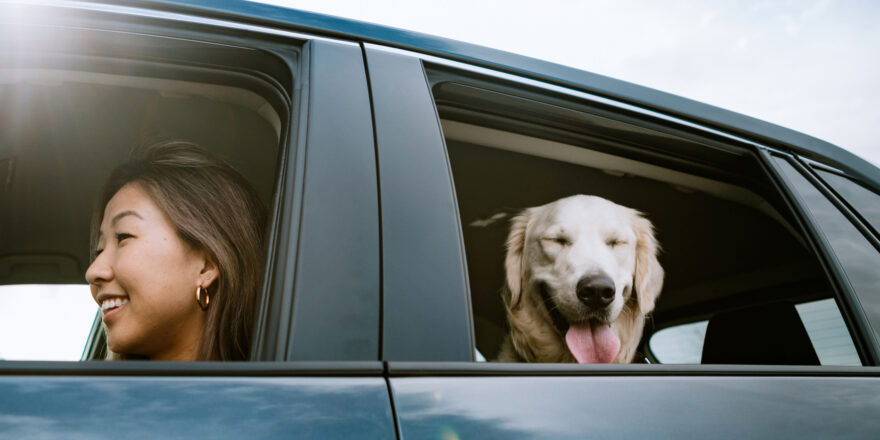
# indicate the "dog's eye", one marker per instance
pixel 614 242
pixel 560 240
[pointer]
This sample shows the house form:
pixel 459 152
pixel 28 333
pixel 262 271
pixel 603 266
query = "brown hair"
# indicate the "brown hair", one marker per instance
pixel 215 210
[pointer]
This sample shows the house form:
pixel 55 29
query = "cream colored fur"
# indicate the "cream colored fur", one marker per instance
pixel 557 244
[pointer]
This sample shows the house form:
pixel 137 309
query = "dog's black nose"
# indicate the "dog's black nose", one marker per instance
pixel 596 291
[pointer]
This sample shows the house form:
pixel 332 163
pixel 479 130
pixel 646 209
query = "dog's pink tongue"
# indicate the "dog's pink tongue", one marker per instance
pixel 592 343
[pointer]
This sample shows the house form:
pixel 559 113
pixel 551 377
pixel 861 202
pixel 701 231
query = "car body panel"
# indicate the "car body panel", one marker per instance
pixel 425 298
pixel 185 407
pixel 337 273
pixel 637 407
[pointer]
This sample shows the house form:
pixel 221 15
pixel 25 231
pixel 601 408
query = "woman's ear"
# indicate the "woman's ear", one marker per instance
pixel 513 260
pixel 209 273
pixel 648 278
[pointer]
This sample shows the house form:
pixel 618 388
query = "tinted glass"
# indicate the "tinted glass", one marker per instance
pixel 858 259
pixel 865 201
pixel 683 344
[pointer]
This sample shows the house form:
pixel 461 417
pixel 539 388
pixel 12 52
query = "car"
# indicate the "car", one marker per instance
pixel 391 161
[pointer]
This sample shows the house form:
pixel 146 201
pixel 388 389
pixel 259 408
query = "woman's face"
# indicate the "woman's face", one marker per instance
pixel 145 278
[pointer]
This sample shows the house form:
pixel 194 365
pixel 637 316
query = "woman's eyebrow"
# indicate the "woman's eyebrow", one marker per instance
pixel 122 214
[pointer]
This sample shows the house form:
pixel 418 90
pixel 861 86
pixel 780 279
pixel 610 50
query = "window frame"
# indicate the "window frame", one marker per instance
pixel 304 110
pixel 870 232
pixel 846 297
pixel 852 315
pixel 424 271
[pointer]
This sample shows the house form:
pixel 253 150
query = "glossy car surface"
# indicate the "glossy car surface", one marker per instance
pixel 384 155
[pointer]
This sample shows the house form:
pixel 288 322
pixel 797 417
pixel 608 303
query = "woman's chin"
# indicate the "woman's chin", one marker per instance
pixel 119 345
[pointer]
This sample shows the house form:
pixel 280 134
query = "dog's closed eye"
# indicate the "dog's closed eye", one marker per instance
pixel 558 239
pixel 614 242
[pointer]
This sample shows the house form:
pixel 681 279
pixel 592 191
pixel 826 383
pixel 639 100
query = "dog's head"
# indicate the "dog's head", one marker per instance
pixel 586 259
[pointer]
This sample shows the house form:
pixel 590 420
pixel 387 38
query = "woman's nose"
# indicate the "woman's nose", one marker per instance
pixel 99 271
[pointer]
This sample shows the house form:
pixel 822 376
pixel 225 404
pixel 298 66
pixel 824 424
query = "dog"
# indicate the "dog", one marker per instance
pixel 581 276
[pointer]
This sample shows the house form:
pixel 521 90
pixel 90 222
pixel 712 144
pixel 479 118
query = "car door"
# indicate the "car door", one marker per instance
pixel 447 134
pixel 292 112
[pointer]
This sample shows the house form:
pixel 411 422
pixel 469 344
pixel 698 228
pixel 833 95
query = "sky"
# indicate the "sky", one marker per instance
pixel 25 311
pixel 811 66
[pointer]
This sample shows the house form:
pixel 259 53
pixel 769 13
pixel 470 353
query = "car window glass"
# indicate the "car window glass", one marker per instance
pixel 857 257
pixel 683 344
pixel 680 344
pixel 45 322
pixel 865 201
pixel 828 333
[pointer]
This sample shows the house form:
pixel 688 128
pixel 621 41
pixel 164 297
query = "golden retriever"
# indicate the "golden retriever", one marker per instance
pixel 582 274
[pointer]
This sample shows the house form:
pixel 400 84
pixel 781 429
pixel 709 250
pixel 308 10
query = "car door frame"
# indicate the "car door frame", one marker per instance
pixel 418 373
pixel 325 87
pixel 327 154
pixel 381 59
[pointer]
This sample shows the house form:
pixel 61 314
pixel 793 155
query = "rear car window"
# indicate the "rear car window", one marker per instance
pixel 856 255
pixel 683 344
pixel 865 201
pixel 728 241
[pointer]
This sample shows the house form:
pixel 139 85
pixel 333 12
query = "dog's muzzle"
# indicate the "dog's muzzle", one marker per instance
pixel 559 321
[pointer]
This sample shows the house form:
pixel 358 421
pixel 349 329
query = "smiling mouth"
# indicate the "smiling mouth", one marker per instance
pixel 590 341
pixel 109 305
pixel 559 321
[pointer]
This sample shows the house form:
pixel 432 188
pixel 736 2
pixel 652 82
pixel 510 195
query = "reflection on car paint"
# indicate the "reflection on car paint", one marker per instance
pixel 612 407
pixel 99 408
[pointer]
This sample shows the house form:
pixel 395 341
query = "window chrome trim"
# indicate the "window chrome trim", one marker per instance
pixel 178 17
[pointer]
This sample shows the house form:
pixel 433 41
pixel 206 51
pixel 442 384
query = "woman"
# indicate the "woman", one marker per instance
pixel 176 269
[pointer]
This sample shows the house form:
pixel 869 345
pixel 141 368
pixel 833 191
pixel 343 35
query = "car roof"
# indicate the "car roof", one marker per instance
pixel 693 111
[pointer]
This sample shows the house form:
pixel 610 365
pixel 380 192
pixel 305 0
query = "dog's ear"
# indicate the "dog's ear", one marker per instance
pixel 513 264
pixel 648 279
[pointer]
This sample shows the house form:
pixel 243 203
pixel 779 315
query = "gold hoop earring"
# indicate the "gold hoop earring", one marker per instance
pixel 199 298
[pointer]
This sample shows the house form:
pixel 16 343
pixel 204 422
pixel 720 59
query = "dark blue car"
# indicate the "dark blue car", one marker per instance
pixel 386 157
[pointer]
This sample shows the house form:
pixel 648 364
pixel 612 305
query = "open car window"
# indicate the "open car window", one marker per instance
pixel 732 250
pixel 64 128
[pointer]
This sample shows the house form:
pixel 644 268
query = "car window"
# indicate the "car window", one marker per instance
pixel 858 259
pixel 61 133
pixel 683 344
pixel 865 201
pixel 726 240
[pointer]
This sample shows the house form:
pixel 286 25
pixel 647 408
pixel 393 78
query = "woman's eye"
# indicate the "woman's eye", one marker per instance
pixel 122 236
